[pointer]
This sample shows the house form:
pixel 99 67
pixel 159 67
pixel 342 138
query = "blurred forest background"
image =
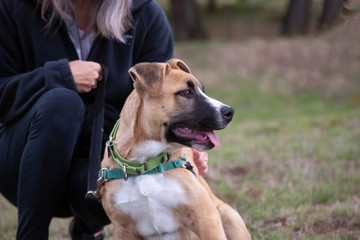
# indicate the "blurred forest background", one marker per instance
pixel 290 160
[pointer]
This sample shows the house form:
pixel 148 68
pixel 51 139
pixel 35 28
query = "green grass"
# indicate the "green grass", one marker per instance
pixel 8 222
pixel 289 161
pixel 296 161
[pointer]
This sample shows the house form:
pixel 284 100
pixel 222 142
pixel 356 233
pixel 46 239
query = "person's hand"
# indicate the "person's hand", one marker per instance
pixel 86 74
pixel 201 161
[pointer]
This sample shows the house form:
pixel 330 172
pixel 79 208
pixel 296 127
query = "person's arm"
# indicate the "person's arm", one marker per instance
pixel 157 45
pixel 20 87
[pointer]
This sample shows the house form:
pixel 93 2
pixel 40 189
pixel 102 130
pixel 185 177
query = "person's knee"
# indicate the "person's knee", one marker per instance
pixel 61 107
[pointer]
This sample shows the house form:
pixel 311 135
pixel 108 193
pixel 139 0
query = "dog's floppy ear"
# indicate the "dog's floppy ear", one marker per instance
pixel 149 77
pixel 178 64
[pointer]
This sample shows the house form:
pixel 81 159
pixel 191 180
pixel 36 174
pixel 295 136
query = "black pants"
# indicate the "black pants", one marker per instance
pixel 41 172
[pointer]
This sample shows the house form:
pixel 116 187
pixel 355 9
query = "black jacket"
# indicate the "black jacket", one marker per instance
pixel 34 59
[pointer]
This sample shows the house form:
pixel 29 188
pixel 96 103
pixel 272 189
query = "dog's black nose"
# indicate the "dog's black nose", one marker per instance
pixel 227 112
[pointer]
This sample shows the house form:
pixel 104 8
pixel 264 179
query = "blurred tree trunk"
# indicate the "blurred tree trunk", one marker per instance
pixel 331 11
pixel 297 17
pixel 186 20
pixel 211 6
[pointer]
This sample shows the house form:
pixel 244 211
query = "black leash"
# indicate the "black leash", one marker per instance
pixel 96 134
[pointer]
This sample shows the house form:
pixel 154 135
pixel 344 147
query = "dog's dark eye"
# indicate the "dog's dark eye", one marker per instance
pixel 186 93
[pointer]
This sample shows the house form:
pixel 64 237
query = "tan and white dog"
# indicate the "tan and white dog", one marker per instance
pixel 167 110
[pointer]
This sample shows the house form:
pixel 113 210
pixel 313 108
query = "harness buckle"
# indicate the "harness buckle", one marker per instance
pixel 102 173
pixel 109 144
pixel 100 183
pixel 188 165
pixel 125 173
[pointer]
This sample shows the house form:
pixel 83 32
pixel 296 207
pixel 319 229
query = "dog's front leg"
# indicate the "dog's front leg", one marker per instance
pixel 232 222
pixel 210 227
pixel 123 226
pixel 203 219
pixel 199 214
pixel 122 232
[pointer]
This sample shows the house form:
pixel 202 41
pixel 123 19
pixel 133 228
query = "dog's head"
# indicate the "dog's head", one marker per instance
pixel 175 106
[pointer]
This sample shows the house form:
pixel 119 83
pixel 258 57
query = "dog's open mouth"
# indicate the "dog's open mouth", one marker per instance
pixel 205 138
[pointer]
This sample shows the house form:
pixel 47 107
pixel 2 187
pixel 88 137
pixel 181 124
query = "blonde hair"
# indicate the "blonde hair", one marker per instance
pixel 109 18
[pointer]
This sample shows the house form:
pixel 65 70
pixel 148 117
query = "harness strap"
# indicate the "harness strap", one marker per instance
pixel 130 169
pixel 133 168
pixel 108 174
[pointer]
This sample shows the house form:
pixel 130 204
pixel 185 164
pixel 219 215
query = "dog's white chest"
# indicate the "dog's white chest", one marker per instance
pixel 149 200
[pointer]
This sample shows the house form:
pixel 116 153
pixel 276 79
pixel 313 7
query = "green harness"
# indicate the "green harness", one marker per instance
pixel 130 169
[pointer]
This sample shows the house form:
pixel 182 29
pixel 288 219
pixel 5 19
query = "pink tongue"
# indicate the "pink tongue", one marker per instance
pixel 199 136
pixel 213 138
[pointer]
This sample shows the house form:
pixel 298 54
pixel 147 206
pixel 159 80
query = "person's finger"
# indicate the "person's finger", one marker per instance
pixel 203 169
pixel 101 75
pixel 86 74
pixel 201 161
pixel 196 154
